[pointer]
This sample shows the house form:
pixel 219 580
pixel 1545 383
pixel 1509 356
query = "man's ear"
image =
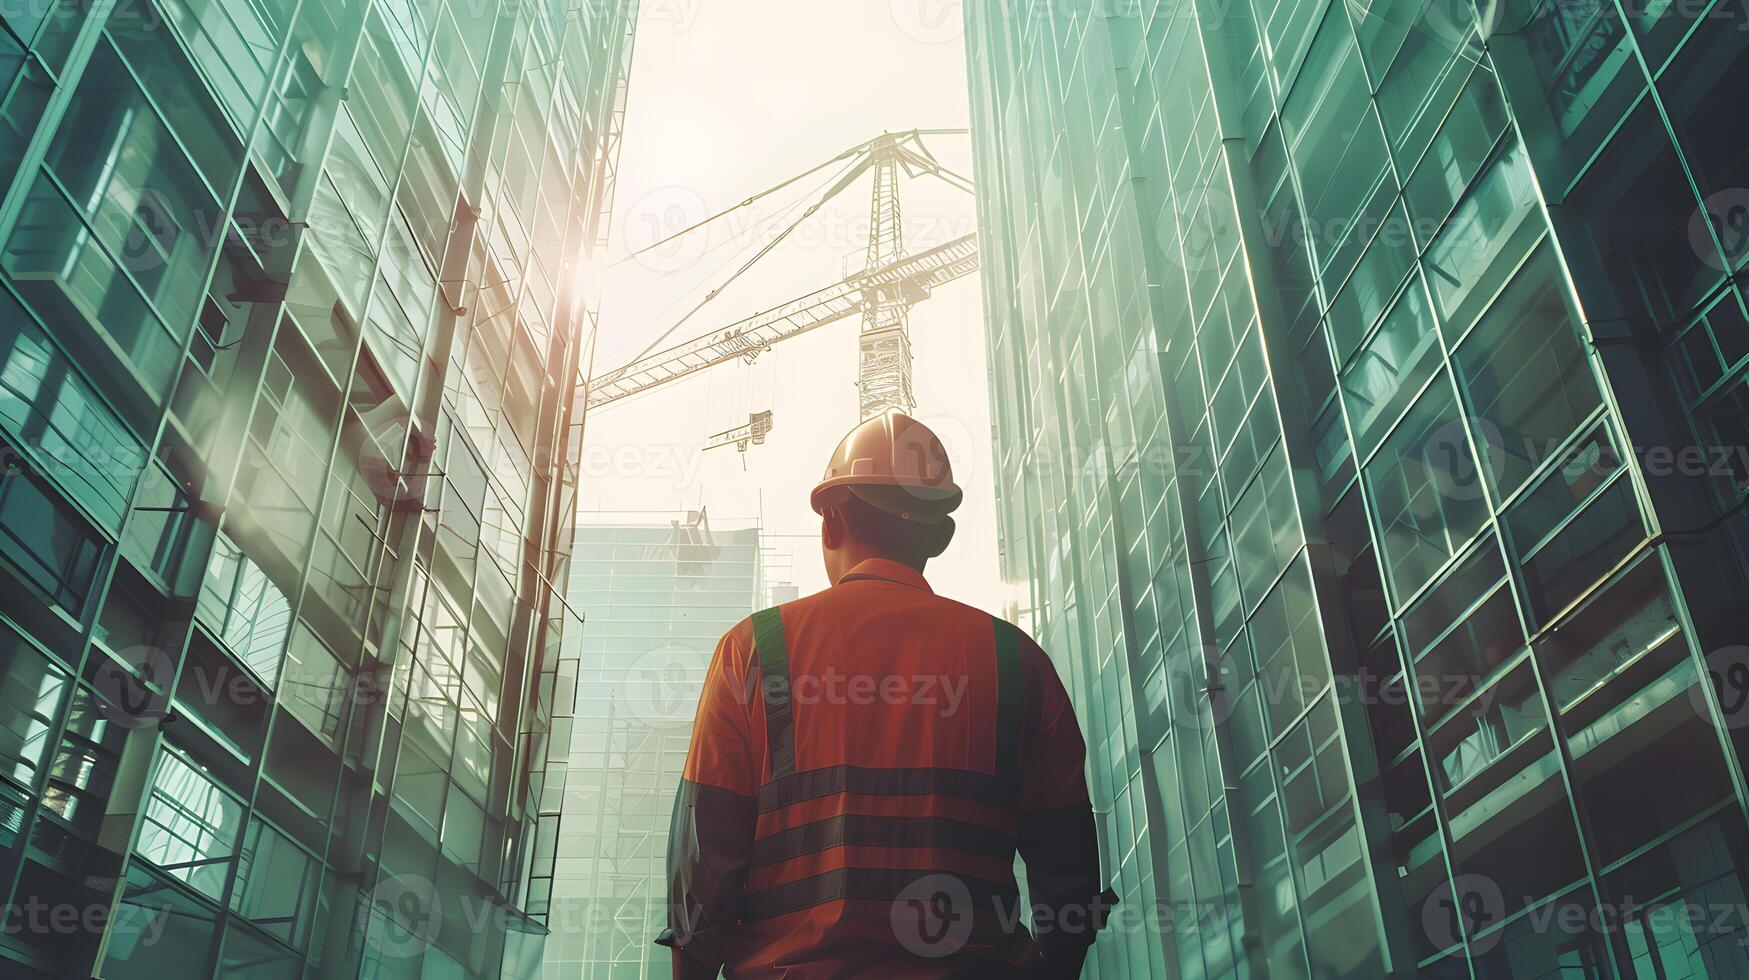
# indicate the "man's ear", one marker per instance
pixel 831 529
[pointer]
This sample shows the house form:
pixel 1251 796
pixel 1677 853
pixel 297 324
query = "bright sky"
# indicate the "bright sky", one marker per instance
pixel 729 97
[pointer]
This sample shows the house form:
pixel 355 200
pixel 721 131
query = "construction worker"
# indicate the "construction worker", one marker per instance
pixel 866 762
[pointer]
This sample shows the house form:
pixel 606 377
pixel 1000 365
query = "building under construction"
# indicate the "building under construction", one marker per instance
pixel 655 596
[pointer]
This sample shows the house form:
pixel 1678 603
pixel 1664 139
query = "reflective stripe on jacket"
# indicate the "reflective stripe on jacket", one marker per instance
pixel 865 764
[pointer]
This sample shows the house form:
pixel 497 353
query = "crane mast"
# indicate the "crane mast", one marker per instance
pixel 883 377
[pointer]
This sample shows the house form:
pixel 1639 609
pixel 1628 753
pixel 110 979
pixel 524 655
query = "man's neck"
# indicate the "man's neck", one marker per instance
pixel 856 556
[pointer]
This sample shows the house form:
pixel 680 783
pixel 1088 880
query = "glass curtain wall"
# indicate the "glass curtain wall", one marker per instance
pixel 1368 382
pixel 291 325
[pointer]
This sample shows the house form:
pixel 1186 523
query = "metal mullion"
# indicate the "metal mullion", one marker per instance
pixel 34 159
pixel 1576 805
pixel 294 599
pixel 1322 297
pixel 1642 491
pixel 55 107
pixel 1652 524
pixel 1195 617
pixel 345 404
pixel 1578 511
pixel 520 280
pixel 463 623
pixel 207 77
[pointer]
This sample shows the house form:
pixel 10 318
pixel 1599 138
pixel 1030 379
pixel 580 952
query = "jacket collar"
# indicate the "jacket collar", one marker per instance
pixel 887 570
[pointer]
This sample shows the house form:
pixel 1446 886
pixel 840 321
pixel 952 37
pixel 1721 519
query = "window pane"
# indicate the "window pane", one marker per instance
pixel 163 67
pixel 144 201
pixel 82 444
pixel 1502 722
pixel 232 41
pixel 1525 374
pixel 29 701
pixel 276 884
pixel 1367 293
pixel 1265 529
pixel 49 544
pixel 1584 551
pixel 1292 663
pixel 249 957
pixel 313 685
pixel 249 612
pixel 158 932
pixel 1579 473
pixel 1462 147
pixel 1426 487
pixel 1483 240
pixel 1469 627
pixel 190 829
pixel 1390 369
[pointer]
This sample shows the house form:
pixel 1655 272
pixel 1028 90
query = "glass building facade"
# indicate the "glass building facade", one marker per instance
pixel 656 597
pixel 1370 383
pixel 291 322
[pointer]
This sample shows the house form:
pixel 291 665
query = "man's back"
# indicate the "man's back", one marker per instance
pixel 865 763
pixel 887 674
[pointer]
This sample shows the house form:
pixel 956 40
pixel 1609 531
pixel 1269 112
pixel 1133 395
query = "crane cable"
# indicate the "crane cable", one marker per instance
pixel 855 171
pixel 913 135
pixel 860 148
pixel 671 307
pixel 861 160
pixel 689 229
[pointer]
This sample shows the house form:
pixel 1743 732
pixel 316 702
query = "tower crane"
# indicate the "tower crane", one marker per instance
pixel 890 282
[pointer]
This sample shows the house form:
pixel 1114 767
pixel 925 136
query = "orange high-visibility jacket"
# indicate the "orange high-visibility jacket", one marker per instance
pixel 865 764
